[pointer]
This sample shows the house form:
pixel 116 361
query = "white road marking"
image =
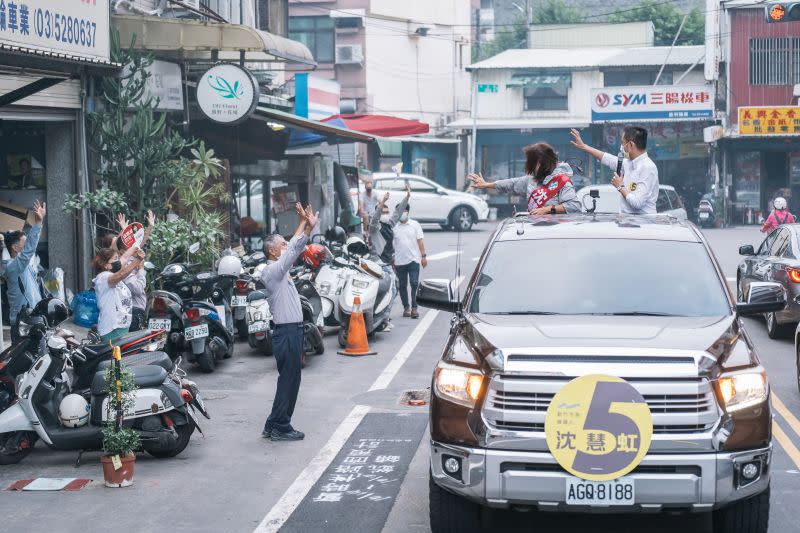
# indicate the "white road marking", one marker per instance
pixel 282 510
pixel 294 495
pixel 404 352
pixel 442 255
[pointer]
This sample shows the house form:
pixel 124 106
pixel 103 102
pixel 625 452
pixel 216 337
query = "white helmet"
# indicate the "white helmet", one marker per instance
pixel 355 245
pixel 73 411
pixel 780 203
pixel 229 265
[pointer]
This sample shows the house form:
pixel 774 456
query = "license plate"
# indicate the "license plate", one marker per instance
pixel 160 324
pixel 255 327
pixel 704 215
pixel 239 301
pixel 583 492
pixel 196 332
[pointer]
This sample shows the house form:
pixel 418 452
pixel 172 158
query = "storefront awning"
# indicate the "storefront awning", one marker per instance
pixel 306 131
pixel 533 81
pixel 381 125
pixel 196 39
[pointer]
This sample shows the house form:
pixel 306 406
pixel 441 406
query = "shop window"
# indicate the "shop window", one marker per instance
pixel 775 61
pixel 626 79
pixel 250 202
pixel 747 179
pixel 546 98
pixel 317 33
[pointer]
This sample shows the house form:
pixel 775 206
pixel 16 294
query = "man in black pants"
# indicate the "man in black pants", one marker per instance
pixel 409 254
pixel 287 339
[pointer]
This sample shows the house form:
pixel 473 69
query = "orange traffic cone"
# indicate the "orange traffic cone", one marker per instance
pixel 357 333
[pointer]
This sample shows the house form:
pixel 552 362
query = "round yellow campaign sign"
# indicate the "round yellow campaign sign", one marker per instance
pixel 598 427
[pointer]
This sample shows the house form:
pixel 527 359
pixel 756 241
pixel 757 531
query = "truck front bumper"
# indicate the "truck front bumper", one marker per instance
pixel 689 482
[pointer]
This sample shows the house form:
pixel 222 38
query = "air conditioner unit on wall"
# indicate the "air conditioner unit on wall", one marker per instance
pixel 349 54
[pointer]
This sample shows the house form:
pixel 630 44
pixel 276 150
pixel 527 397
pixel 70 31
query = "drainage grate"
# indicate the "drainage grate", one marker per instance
pixel 415 398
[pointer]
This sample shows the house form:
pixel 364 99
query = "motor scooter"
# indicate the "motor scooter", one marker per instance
pixel 159 414
pixel 196 313
pixel 705 212
pixel 375 287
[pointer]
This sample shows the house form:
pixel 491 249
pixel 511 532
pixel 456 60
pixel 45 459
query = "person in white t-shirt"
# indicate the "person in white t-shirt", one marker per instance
pixel 113 296
pixel 409 254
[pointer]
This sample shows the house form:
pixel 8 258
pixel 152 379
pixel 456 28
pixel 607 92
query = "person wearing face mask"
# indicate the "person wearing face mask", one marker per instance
pixel 20 268
pixel 547 184
pixel 137 280
pixel 287 315
pixel 409 254
pixel 638 185
pixel 367 201
pixel 113 296
pixel 381 227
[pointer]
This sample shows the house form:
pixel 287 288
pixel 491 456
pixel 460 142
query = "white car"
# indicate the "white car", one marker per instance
pixel 668 202
pixel 432 203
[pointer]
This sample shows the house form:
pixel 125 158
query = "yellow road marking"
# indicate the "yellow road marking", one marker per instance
pixel 786 414
pixel 786 443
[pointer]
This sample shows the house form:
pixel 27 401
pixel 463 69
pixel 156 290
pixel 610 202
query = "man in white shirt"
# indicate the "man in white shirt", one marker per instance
pixel 638 185
pixel 409 254
pixel 367 201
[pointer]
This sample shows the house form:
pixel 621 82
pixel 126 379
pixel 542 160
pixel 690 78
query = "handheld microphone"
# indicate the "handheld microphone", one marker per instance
pixel 620 159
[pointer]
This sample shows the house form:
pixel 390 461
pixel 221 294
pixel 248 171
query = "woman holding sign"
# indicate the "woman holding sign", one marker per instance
pixel 136 281
pixel 113 296
pixel 547 184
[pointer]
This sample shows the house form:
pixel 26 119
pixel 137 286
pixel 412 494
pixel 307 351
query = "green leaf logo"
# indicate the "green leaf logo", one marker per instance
pixel 224 88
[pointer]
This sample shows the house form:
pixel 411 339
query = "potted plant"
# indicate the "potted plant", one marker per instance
pixel 119 442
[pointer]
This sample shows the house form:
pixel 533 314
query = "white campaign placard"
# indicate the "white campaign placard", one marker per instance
pixel 227 93
pixel 78 28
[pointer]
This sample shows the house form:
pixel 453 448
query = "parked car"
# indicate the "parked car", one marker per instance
pixel 432 203
pixel 634 333
pixel 668 202
pixel 775 260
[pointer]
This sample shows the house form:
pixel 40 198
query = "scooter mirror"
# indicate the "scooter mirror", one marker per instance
pixel 149 266
pixel 194 248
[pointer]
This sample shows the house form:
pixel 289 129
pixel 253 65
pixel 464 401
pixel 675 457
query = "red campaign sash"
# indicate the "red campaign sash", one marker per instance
pixel 541 195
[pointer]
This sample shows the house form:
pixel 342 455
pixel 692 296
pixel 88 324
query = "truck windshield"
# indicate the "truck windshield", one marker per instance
pixel 599 277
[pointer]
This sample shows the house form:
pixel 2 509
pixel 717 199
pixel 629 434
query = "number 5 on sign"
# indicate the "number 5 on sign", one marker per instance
pixel 598 427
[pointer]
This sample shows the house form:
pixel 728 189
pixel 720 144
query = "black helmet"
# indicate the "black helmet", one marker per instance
pixel 53 310
pixel 336 234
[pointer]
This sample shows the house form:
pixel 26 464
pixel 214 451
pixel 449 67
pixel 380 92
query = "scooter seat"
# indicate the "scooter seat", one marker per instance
pixel 255 296
pixel 141 359
pixel 143 376
pixel 99 350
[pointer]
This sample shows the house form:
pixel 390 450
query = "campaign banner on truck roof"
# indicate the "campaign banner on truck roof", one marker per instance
pixel 659 102
pixel 76 28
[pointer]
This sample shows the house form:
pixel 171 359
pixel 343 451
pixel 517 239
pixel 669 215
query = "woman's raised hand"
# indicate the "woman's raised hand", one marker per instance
pixel 478 181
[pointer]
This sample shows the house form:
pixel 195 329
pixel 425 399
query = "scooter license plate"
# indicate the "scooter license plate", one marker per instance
pixel 704 216
pixel 239 301
pixel 160 324
pixel 256 327
pixel 196 332
pixel 583 492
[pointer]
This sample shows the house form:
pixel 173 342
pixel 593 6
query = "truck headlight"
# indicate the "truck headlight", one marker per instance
pixel 458 384
pixel 742 389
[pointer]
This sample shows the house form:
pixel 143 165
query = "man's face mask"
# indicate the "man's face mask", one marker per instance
pixel 368 189
pixel 624 148
pixel 116 266
pixel 404 217
pixel 386 218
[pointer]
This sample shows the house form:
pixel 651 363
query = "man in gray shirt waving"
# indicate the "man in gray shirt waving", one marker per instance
pixel 287 314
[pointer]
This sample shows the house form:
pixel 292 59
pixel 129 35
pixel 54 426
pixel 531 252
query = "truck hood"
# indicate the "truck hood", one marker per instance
pixel 527 332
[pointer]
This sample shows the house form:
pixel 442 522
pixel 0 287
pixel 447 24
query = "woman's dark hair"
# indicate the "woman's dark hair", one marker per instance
pixel 102 258
pixel 540 160
pixel 107 240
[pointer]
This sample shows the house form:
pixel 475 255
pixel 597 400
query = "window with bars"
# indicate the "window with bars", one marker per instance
pixel 775 61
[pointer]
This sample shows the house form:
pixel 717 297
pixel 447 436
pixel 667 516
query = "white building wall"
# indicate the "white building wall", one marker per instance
pixel 508 103
pixel 414 76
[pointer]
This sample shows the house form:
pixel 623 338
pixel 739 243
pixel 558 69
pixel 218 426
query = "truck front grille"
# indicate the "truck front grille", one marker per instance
pixel 678 406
